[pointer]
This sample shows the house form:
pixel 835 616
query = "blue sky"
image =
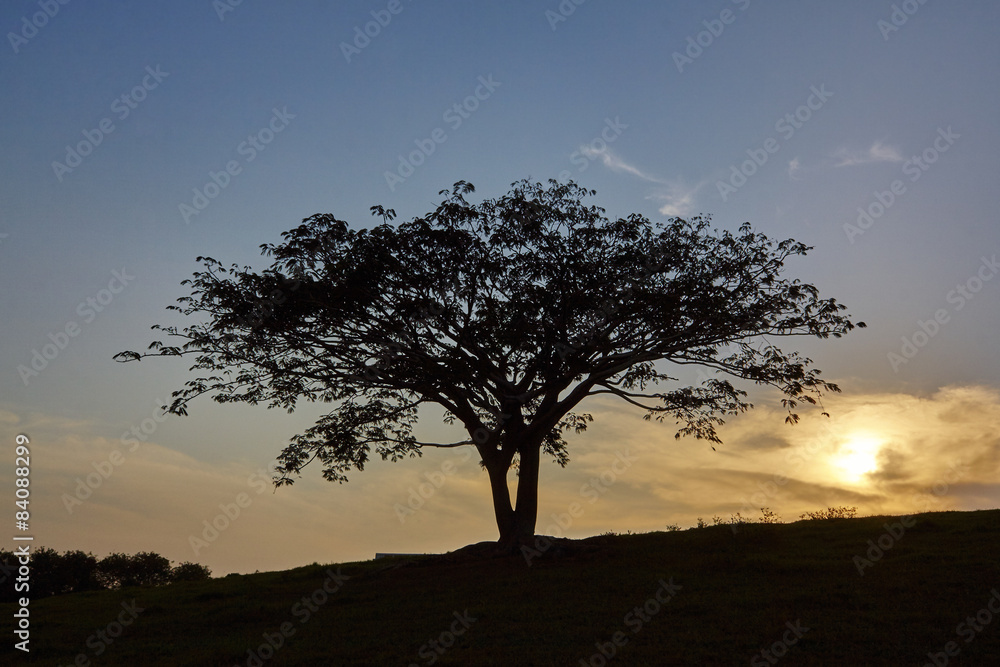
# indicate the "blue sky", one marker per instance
pixel 653 104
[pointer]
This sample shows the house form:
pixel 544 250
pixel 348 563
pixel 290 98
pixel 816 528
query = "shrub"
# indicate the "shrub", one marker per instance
pixel 53 573
pixel 190 572
pixel 57 574
pixel 831 513
pixel 734 520
pixel 143 569
pixel 767 516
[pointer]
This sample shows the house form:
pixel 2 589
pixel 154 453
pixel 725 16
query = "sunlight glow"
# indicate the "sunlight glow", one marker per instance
pixel 858 456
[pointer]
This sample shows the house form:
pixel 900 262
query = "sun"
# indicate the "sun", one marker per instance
pixel 858 456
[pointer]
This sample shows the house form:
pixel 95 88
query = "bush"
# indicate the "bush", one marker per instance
pixel 767 516
pixel 190 572
pixel 831 513
pixel 53 573
pixel 143 569
pixel 734 520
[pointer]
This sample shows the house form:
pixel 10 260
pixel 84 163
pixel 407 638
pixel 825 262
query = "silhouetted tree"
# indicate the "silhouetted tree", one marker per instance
pixel 190 572
pixel 52 573
pixel 507 314
pixel 142 569
pixel 71 572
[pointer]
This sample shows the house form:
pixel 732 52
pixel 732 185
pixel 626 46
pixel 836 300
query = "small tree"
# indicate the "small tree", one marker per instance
pixel 53 573
pixel 190 572
pixel 507 315
pixel 142 569
pixel 73 571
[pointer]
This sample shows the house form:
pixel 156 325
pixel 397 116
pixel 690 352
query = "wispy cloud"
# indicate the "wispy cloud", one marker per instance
pixel 878 152
pixel 793 167
pixel 625 473
pixel 615 163
pixel 678 198
pixel 921 464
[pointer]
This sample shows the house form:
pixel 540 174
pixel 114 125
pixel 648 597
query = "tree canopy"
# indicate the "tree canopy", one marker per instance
pixel 506 314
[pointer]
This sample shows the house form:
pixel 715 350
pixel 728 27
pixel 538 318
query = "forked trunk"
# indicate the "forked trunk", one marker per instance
pixel 517 524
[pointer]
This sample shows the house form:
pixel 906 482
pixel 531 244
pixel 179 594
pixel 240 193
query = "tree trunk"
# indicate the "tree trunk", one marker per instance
pixel 501 498
pixel 517 524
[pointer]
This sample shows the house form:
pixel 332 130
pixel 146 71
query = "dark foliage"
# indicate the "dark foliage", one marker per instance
pixel 507 314
pixel 52 573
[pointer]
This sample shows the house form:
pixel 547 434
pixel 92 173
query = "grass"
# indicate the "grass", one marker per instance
pixel 738 593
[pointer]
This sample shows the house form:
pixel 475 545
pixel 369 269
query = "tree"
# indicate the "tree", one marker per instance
pixel 142 569
pixel 506 314
pixel 188 571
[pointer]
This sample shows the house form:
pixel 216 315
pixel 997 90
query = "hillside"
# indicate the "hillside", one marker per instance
pixel 704 596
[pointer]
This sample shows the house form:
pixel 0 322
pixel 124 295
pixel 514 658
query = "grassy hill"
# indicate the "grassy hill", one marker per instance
pixel 707 596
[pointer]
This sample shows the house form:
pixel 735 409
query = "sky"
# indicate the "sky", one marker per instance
pixel 137 137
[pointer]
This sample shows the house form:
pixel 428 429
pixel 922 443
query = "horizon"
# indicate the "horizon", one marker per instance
pixel 136 142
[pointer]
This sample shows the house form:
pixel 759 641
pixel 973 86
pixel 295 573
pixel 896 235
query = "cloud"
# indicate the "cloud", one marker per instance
pixel 615 163
pixel 793 167
pixel 678 198
pixel 935 452
pixel 98 494
pixel 878 152
pixel 842 157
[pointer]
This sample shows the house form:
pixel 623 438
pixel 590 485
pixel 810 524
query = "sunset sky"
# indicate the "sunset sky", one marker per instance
pixel 139 136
